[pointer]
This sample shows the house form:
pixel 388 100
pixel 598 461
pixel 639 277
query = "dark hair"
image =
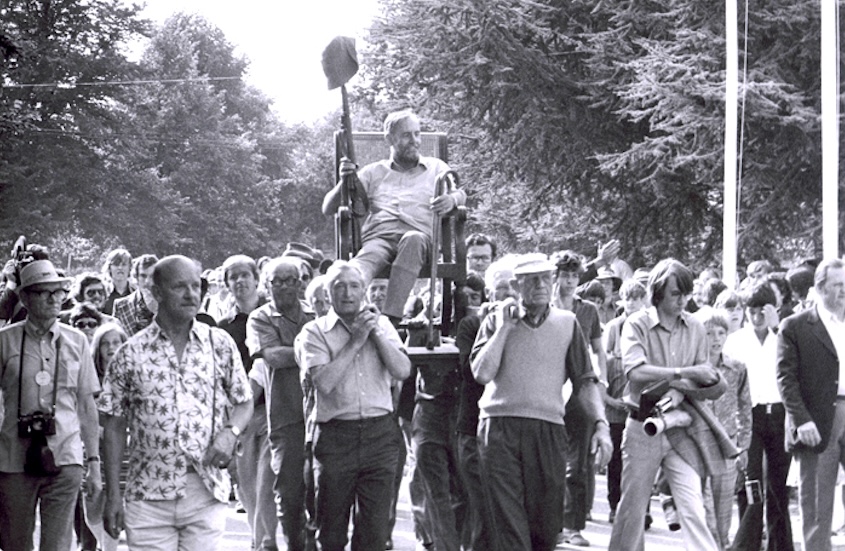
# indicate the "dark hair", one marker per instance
pixel 779 279
pixel 759 296
pixel 659 278
pixel 800 279
pixel 711 289
pixel 592 290
pixel 568 261
pixel 474 282
pixel 143 262
pixel 84 310
pixel 479 240
pixel 84 281
pixel 239 259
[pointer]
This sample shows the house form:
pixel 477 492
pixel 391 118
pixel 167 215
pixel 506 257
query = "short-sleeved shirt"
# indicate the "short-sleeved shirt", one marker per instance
pixel 77 378
pixel 646 341
pixel 170 406
pixel 366 391
pixel 268 327
pixel 234 323
pixel 402 195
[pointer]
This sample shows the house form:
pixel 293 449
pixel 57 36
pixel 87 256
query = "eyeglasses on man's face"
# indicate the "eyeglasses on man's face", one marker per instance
pixel 44 294
pixel 279 282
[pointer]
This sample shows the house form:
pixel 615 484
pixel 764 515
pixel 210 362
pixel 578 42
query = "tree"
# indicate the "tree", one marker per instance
pixel 592 120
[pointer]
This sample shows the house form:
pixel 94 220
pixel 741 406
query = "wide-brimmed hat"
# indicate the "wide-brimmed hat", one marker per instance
pixel 533 263
pixel 40 271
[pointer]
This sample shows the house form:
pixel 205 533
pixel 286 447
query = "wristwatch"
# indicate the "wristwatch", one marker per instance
pixel 235 430
pixel 677 372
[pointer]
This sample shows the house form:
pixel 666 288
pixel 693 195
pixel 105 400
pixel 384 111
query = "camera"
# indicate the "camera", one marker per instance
pixel 37 423
pixel 657 412
pixel 753 491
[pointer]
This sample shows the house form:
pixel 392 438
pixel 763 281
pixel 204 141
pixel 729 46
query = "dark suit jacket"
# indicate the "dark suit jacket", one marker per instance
pixel 808 376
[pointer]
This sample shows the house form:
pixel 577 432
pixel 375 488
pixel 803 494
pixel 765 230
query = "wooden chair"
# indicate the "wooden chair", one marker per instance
pixel 451 267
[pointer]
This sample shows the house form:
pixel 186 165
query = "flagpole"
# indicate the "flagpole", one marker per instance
pixel 729 218
pixel 830 126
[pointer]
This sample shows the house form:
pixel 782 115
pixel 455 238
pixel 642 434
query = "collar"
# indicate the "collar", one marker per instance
pixel 275 312
pixel 236 309
pixel 531 323
pixel 156 330
pixel 34 332
pixel 394 167
pixel 826 315
pixel 332 319
pixel 654 319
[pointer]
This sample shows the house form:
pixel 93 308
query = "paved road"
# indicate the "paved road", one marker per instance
pixel 658 538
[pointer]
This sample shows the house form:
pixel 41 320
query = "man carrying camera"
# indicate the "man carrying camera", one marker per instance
pixel 48 384
pixel 665 344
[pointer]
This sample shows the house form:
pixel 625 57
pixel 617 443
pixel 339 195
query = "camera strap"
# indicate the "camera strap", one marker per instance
pixel 214 385
pixel 55 372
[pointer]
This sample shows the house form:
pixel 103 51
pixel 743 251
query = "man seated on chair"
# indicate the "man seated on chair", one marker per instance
pixel 399 192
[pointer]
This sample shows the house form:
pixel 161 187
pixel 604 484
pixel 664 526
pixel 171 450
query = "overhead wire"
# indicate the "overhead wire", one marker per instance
pixel 70 84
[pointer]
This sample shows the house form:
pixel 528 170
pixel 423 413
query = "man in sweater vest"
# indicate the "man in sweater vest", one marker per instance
pixel 524 354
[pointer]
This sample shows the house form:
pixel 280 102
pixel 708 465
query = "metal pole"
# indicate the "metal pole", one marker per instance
pixel 830 126
pixel 729 222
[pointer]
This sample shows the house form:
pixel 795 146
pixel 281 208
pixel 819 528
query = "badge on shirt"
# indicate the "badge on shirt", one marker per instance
pixel 43 378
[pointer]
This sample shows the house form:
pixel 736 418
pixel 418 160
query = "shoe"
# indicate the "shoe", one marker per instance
pixel 389 544
pixel 670 513
pixel 648 521
pixel 239 508
pixel 574 537
pixel 589 516
pixel 612 516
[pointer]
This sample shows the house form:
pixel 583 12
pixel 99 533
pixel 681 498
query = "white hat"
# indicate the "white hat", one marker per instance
pixel 533 263
pixel 40 271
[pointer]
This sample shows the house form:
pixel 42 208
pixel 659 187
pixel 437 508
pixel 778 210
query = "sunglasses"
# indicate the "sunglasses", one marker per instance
pixel 86 324
pixel 95 292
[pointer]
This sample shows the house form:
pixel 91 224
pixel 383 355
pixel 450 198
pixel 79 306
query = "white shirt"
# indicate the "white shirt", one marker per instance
pixel 836 330
pixel 761 361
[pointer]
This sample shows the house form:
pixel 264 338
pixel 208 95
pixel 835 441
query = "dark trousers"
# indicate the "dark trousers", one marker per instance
pixel 767 438
pixel 614 466
pixel 580 470
pixel 524 463
pixel 354 464
pixel 478 521
pixel 397 483
pixel 55 496
pixel 287 448
pixel 434 448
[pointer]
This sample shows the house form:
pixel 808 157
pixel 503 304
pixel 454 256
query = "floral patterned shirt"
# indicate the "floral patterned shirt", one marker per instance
pixel 168 406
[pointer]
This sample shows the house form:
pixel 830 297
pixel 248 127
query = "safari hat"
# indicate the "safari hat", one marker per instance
pixel 40 271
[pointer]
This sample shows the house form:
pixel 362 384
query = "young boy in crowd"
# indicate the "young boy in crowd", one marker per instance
pixel 733 409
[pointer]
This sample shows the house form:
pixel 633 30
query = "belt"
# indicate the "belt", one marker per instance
pixel 770 407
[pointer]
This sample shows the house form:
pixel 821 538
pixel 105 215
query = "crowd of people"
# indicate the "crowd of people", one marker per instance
pixel 289 376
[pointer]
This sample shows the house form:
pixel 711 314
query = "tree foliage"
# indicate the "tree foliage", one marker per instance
pixel 588 120
pixel 189 159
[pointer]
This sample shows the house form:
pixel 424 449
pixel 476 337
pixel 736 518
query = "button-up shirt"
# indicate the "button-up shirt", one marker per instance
pixel 836 330
pixel 168 404
pixel 268 327
pixel 76 378
pixel 761 361
pixel 733 408
pixel 646 341
pixel 402 195
pixel 365 392
pixel 132 312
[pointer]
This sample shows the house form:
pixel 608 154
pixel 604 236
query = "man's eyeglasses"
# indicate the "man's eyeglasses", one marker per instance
pixel 289 281
pixel 44 294
pixel 95 292
pixel 480 257
pixel 86 324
